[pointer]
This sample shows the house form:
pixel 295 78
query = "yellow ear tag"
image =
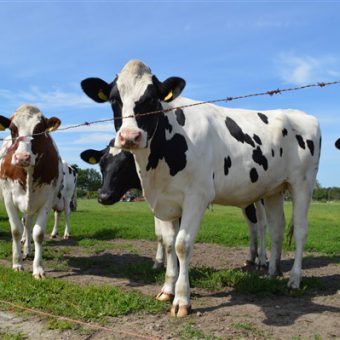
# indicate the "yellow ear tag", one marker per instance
pixel 92 160
pixel 102 95
pixel 50 129
pixel 169 96
pixel 2 128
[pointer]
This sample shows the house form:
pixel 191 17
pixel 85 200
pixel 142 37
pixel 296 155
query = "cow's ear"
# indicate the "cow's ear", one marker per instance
pixel 97 89
pixel 92 156
pixel 171 88
pixel 52 124
pixel 337 144
pixel 4 123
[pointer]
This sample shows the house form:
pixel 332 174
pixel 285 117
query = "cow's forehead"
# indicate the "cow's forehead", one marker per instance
pixel 27 116
pixel 133 80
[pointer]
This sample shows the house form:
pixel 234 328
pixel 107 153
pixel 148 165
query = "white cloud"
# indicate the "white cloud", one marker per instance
pixel 301 70
pixel 56 98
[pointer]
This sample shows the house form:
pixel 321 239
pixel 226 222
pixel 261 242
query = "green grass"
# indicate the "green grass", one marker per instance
pixel 93 227
pixel 13 336
pixel 71 300
pixel 94 223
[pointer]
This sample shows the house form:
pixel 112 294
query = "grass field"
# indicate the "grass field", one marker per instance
pixel 94 223
pixel 93 226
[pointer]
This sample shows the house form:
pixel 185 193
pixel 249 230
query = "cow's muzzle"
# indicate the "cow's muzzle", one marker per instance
pixel 129 138
pixel 22 159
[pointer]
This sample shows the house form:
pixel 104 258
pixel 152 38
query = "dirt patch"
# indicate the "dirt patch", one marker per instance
pixel 224 314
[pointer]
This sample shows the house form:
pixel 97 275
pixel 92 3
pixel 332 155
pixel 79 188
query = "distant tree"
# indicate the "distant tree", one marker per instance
pixel 88 179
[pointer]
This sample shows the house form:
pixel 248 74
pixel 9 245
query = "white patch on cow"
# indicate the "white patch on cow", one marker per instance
pixel 114 151
pixel 132 82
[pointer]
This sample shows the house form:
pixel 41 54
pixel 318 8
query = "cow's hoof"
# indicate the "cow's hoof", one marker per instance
pixel 165 297
pixel 157 265
pixel 39 276
pixel 39 273
pixel 262 267
pixel 249 263
pixel 18 267
pixel 180 311
pixel 66 237
pixel 53 236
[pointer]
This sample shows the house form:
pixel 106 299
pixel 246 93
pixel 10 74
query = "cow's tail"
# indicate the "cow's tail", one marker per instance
pixel 290 232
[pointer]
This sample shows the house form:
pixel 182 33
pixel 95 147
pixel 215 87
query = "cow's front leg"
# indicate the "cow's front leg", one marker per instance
pixel 191 219
pixel 169 231
pixel 28 235
pixel 38 237
pixel 17 231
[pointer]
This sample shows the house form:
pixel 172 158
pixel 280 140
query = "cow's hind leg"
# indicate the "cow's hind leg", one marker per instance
pixel 67 213
pixel 276 222
pixel 169 231
pixel 261 232
pixel 28 235
pixel 251 218
pixel 57 215
pixel 302 194
pixel 159 259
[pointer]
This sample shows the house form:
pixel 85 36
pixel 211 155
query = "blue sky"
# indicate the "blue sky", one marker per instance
pixel 221 48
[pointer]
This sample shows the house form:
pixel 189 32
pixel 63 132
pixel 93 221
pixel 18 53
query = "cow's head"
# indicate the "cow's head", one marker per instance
pixel 29 128
pixel 134 91
pixel 118 171
pixel 337 143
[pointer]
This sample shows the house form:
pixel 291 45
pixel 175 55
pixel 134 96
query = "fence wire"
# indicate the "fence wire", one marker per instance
pixel 213 101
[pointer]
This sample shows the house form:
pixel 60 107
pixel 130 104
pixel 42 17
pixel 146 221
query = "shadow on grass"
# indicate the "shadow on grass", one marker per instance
pixel 125 266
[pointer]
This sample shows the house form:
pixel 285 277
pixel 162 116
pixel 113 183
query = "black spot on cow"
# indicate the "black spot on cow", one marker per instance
pixel 172 150
pixel 301 141
pixel 262 201
pixel 259 158
pixel 59 195
pixel 257 139
pixel 237 132
pixel 253 175
pixel 284 132
pixel 263 117
pixel 310 145
pixel 227 165
pixel 250 211
pixel 213 175
pixel 273 153
pixel 69 170
pixel 281 152
pixel 180 117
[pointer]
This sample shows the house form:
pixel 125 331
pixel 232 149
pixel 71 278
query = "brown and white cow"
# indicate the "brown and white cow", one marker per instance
pixel 31 177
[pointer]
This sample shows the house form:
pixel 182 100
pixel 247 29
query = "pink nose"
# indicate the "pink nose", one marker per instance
pixel 129 137
pixel 22 158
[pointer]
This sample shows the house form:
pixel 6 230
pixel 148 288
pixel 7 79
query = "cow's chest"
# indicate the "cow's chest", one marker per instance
pixel 27 201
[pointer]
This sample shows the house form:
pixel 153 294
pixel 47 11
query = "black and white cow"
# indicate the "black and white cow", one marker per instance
pixel 119 175
pixel 30 178
pixel 189 157
pixel 337 143
pixel 68 198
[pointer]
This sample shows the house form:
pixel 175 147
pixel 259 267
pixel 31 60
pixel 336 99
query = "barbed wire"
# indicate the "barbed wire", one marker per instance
pixel 226 99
